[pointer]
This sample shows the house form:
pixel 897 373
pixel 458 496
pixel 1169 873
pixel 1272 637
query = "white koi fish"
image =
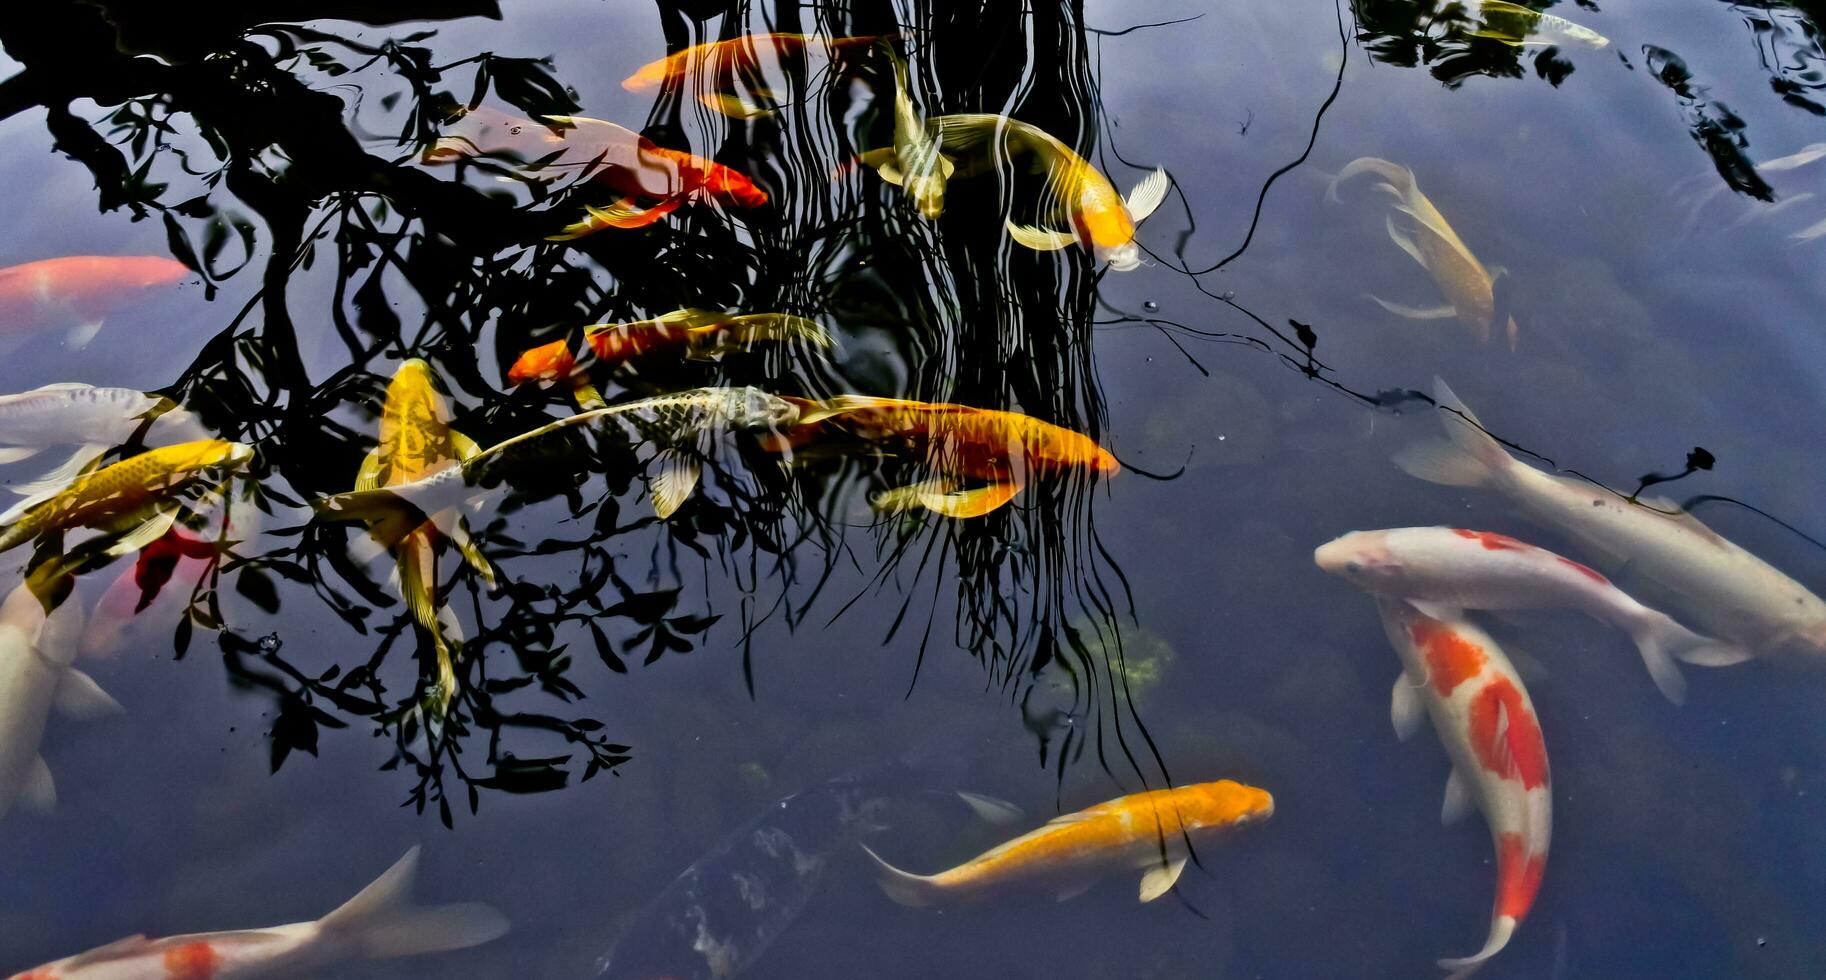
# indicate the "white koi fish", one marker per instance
pixel 1442 570
pixel 90 418
pixel 1453 673
pixel 36 649
pixel 1519 26
pixel 1468 288
pixel 1728 591
pixel 379 923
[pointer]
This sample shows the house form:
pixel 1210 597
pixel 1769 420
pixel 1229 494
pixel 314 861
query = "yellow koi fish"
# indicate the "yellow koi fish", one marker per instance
pixel 1075 193
pixel 416 441
pixel 913 162
pixel 1519 26
pixel 1468 288
pixel 115 497
pixel 737 58
pixel 1148 830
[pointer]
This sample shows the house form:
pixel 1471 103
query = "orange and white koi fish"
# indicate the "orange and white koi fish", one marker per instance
pixel 379 923
pixel 116 497
pixel 1468 288
pixel 958 442
pixel 722 65
pixel 553 363
pixel 616 157
pixel 37 644
pixel 1152 830
pixel 1441 571
pixel 703 334
pixel 138 602
pixel 76 292
pixel 1726 590
pixel 1075 193
pixel 1456 675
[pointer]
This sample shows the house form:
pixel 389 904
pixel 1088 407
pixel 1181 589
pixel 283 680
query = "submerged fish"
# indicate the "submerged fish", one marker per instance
pixel 1075 193
pixel 138 603
pixel 379 923
pixel 76 292
pixel 958 442
pixel 670 421
pixel 1456 675
pixel 913 161
pixel 90 418
pixel 1517 26
pixel 739 58
pixel 1441 571
pixel 116 497
pixel 1468 288
pixel 1151 830
pixel 554 363
pixel 699 334
pixel 37 644
pixel 1729 592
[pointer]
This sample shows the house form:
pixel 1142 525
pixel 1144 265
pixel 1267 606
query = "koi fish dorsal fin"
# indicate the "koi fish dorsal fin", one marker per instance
pixel 1675 513
pixel 1147 195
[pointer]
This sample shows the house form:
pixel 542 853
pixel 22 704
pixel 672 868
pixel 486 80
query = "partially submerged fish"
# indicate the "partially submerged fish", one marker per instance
pixel 1728 591
pixel 1468 288
pixel 38 640
pixel 138 602
pixel 1441 571
pixel 90 418
pixel 671 421
pixel 1152 830
pixel 1518 26
pixel 699 334
pixel 913 161
pixel 378 923
pixel 957 442
pixel 1453 673
pixel 1075 193
pixel 720 65
pixel 76 292
pixel 553 363
pixel 116 497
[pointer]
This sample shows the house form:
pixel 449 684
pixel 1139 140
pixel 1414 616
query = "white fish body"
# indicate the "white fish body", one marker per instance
pixel 378 923
pixel 1730 592
pixel 35 673
pixel 1442 570
pixel 90 418
pixel 1535 27
pixel 1455 675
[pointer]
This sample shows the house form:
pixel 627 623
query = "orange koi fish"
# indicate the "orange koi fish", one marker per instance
pixel 1455 674
pixel 698 334
pixel 76 292
pixel 1148 830
pixel 723 62
pixel 959 442
pixel 379 923
pixel 1075 193
pixel 619 158
pixel 554 363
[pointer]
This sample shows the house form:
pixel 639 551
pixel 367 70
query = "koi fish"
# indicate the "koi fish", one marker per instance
pixel 1075 193
pixel 1149 830
pixel 1728 591
pixel 741 57
pixel 554 363
pixel 1519 26
pixel 959 442
pixel 90 418
pixel 913 161
pixel 378 923
pixel 78 291
pixel 37 644
pixel 1468 288
pixel 1453 673
pixel 134 597
pixel 115 496
pixel 668 420
pixel 699 334
pixel 1441 571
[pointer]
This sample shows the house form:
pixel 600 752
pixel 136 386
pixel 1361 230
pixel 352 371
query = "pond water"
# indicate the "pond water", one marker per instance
pixel 793 659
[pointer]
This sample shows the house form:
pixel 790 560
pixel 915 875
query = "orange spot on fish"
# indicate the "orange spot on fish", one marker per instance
pixel 1582 570
pixel 1493 541
pixel 548 362
pixel 1518 876
pixel 1505 735
pixel 1451 659
pixel 192 961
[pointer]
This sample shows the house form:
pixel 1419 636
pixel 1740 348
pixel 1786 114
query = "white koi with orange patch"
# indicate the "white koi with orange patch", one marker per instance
pixel 1456 675
pixel 378 923
pixel 1441 570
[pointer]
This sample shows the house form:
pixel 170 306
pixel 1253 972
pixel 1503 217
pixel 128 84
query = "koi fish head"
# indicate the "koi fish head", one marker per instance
pixel 759 409
pixel 1105 463
pixel 412 381
pixel 548 362
pixel 1361 557
pixel 1124 257
pixel 728 184
pixel 1225 803
pixel 928 194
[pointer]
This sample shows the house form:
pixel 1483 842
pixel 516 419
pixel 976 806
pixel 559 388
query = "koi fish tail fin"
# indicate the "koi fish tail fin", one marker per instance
pixel 381 922
pixel 1501 928
pixel 625 213
pixel 389 516
pixel 1669 639
pixel 904 887
pixel 1658 638
pixel 1394 173
pixel 57 480
pixel 1469 457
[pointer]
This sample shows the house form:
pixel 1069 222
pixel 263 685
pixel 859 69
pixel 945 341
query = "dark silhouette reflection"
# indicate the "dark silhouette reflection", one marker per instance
pixel 1788 42
pixel 1456 40
pixel 1717 130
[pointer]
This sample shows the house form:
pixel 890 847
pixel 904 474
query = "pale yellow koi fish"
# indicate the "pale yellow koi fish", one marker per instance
pixel 913 161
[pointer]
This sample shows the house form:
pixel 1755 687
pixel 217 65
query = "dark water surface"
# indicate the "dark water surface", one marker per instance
pixel 704 668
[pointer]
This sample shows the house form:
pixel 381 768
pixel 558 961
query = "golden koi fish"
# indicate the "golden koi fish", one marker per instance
pixel 726 61
pixel 698 334
pixel 1468 288
pixel 958 442
pixel 115 496
pixel 1151 830
pixel 913 161
pixel 1075 193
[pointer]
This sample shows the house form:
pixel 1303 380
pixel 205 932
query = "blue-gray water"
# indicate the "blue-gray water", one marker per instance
pixel 1686 840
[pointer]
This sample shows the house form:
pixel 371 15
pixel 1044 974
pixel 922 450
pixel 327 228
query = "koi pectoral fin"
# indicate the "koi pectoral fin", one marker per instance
pixel 939 497
pixel 740 106
pixel 1407 244
pixel 624 213
pixel 1417 313
pixel 1147 195
pixel 1160 879
pixel 675 475
pixel 1040 239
